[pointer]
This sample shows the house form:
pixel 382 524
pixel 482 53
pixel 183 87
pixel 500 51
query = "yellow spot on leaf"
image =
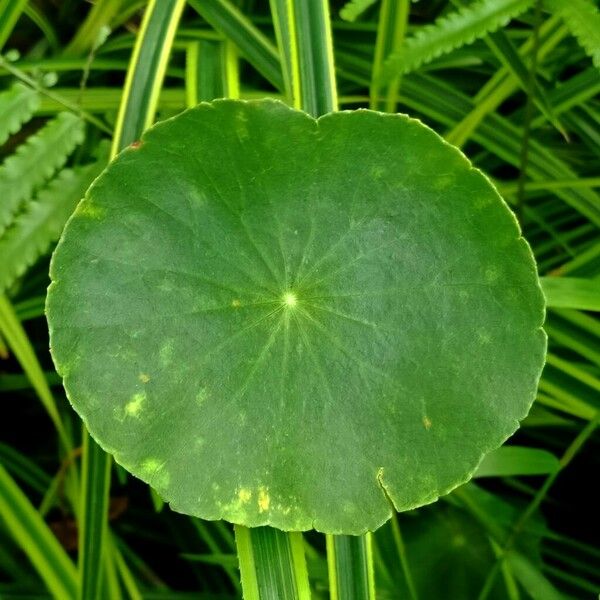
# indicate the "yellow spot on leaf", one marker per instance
pixel 144 378
pixel 264 500
pixel 236 303
pixel 134 406
pixel 427 423
pixel 244 495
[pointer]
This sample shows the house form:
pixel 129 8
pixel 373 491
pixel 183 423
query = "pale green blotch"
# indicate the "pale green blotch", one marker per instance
pixel 201 396
pixel 492 274
pixel 484 336
pixel 90 210
pixel 134 406
pixel 153 470
pixel 443 182
pixel 166 353
pixel 378 172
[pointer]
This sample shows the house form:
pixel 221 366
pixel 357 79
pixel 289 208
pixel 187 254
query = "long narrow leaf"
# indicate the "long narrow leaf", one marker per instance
pixel 350 565
pixel 250 41
pixel 10 11
pixel 95 484
pixel 572 292
pixel 36 540
pixel 146 70
pixel 272 564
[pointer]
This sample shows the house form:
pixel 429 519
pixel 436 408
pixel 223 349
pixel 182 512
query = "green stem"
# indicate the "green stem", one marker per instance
pixel 272 564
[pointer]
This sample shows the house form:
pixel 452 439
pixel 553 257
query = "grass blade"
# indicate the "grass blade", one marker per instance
pixel 95 485
pixel 391 30
pixel 272 564
pixel 146 70
pixel 36 540
pixel 350 566
pixel 316 89
pixel 572 292
pixel 10 11
pixel 510 461
pixel 252 44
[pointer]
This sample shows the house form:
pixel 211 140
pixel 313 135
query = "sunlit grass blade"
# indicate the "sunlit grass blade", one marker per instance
pixel 510 461
pixel 354 8
pixel 100 15
pixel 285 32
pixel 10 11
pixel 317 87
pixel 350 565
pixel 503 83
pixel 211 71
pixel 129 583
pixel 146 70
pixel 36 540
pixel 253 45
pixel 272 564
pixel 572 292
pixel 391 31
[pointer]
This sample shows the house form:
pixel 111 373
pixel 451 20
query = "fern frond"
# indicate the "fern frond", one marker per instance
pixel 17 106
pixel 35 161
pixel 42 221
pixel 354 8
pixel 583 20
pixel 452 31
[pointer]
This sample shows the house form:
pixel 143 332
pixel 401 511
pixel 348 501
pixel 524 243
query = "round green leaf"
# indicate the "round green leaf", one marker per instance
pixel 279 320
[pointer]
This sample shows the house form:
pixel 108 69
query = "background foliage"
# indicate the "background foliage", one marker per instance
pixel 512 82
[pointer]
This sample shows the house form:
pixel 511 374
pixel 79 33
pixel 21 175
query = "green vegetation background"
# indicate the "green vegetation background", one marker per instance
pixel 514 83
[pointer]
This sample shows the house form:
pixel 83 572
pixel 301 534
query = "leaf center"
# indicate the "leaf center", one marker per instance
pixel 290 300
